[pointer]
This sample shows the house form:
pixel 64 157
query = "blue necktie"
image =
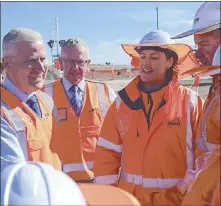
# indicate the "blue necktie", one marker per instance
pixel 74 99
pixel 32 102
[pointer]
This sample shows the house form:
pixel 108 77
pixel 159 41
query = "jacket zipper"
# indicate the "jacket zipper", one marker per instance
pixel 150 101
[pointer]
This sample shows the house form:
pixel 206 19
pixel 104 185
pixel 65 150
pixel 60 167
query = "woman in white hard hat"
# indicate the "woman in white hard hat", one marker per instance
pixel 146 143
pixel 35 183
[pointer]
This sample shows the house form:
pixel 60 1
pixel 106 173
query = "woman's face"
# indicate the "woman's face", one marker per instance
pixel 153 66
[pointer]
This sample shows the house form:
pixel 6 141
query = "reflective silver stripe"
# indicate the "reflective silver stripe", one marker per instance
pixel 112 94
pixel 203 141
pixel 107 179
pixel 109 145
pixel 160 183
pixel 193 98
pixel 49 101
pixel 104 105
pixel 118 101
pixel 77 166
pixel 131 178
pixel 149 182
pixel 18 126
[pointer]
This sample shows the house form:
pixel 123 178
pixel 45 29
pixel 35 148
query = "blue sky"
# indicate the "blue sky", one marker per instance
pixel 103 25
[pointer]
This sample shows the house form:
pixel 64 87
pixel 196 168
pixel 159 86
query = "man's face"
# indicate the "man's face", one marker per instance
pixel 27 67
pixel 153 66
pixel 207 44
pixel 75 60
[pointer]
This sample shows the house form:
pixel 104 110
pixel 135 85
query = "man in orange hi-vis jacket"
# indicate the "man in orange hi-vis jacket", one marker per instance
pixel 199 185
pixel 147 140
pixel 206 31
pixel 82 105
pixel 29 112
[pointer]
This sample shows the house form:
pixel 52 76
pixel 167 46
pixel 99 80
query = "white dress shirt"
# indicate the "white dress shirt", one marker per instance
pixel 11 151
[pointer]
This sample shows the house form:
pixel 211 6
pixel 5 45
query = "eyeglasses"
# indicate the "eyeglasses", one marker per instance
pixel 80 63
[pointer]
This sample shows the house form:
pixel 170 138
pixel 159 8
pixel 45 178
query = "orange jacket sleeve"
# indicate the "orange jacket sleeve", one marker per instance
pixel 108 150
pixel 196 119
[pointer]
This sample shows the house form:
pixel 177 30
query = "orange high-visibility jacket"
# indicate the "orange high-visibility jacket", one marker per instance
pixel 199 185
pixel 148 140
pixel 76 145
pixel 209 136
pixel 35 134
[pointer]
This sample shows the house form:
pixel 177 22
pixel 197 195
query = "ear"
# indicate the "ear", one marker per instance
pixel 170 63
pixel 88 69
pixel 5 62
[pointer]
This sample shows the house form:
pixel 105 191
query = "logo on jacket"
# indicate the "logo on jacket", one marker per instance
pixel 196 20
pixel 174 122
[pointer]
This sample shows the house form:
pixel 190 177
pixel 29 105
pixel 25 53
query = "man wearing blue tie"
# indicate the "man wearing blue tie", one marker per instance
pixel 27 110
pixel 82 105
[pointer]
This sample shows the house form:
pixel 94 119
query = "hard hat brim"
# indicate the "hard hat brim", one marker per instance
pixel 180 49
pixel 204 71
pixel 197 31
pixel 186 58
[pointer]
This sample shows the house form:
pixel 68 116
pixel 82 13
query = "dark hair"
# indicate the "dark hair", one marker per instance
pixel 168 52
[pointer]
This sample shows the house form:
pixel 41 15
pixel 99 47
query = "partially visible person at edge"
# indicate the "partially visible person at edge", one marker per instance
pixel 206 31
pixel 29 111
pixel 2 71
pixel 199 185
pixel 198 188
pixel 147 139
pixel 82 105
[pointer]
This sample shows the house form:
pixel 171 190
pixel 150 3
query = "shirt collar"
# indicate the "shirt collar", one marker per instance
pixel 23 96
pixel 67 85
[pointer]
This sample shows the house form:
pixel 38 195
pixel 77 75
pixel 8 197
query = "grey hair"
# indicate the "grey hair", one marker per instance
pixel 19 34
pixel 73 42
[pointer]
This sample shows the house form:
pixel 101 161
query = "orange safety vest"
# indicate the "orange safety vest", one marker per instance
pixel 154 151
pixel 209 137
pixel 76 145
pixel 199 185
pixel 35 135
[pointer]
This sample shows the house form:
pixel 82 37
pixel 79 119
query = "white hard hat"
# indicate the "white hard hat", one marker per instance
pixel 33 183
pixel 157 37
pixel 153 38
pixel 207 18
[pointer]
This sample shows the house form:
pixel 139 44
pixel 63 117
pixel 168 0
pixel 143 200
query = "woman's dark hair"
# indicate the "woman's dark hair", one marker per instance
pixel 169 54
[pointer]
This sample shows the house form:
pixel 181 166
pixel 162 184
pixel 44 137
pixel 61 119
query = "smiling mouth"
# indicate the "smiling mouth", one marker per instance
pixel 147 70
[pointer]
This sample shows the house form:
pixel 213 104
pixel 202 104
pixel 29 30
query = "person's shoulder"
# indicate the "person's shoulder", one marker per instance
pixel 191 94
